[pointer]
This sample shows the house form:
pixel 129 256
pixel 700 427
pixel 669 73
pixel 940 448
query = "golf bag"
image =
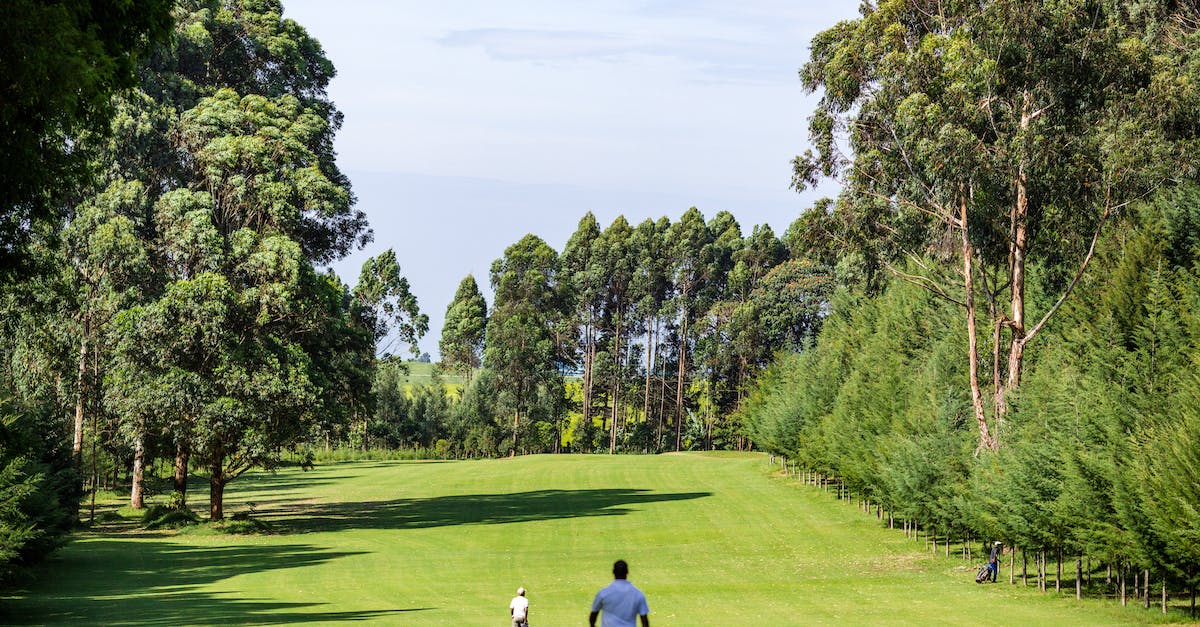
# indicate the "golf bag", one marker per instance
pixel 984 574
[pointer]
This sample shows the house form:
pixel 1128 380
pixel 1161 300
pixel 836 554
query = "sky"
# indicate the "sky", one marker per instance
pixel 469 124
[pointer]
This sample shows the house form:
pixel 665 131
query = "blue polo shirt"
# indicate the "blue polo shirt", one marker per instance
pixel 619 604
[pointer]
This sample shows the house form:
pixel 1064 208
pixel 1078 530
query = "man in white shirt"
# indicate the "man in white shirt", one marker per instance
pixel 620 602
pixel 519 608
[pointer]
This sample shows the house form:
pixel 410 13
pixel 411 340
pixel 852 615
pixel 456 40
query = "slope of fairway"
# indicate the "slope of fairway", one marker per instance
pixel 711 539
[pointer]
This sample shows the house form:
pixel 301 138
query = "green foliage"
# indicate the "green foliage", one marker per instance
pixel 387 304
pixel 464 329
pixel 39 491
pixel 62 62
pixel 1097 456
pixel 788 303
pixel 521 350
pixel 239 349
pixel 167 517
pixel 993 141
pixel 408 416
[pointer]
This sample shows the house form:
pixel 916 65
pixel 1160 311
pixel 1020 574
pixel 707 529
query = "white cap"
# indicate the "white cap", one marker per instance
pixel 520 592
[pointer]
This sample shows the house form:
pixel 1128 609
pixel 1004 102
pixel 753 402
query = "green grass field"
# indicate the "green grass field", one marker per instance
pixel 422 374
pixel 713 539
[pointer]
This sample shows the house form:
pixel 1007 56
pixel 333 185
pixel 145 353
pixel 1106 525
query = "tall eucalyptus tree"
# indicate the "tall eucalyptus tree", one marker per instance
pixel 991 139
pixel 521 349
pixel 650 287
pixel 231 134
pixel 614 254
pixel 582 278
pixel 464 330
pixel 690 264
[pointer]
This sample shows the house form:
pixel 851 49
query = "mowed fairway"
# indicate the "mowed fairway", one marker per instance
pixel 712 539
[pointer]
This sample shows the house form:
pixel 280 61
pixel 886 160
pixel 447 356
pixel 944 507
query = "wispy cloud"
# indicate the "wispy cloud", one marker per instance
pixel 711 60
pixel 509 44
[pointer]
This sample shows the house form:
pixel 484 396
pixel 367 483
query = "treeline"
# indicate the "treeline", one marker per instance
pixel 1014 354
pixel 633 338
pixel 53 90
pixel 162 303
pixel 1098 458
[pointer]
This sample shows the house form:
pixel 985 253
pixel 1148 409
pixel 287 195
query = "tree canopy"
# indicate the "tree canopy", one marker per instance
pixel 990 140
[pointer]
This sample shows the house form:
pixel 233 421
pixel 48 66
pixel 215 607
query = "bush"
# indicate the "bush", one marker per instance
pixel 165 517
pixel 39 492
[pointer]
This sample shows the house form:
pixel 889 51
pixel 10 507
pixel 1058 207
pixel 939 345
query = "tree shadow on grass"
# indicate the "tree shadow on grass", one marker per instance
pixel 270 483
pixel 468 509
pixel 117 582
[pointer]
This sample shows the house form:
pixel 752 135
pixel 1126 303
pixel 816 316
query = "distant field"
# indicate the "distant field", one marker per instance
pixel 422 374
pixel 713 539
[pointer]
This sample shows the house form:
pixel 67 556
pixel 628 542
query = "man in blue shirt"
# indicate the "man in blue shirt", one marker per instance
pixel 994 560
pixel 620 602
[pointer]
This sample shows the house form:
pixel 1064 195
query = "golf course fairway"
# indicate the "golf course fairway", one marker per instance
pixel 712 539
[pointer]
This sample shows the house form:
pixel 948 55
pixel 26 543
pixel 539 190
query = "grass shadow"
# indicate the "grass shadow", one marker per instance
pixel 135 582
pixel 470 509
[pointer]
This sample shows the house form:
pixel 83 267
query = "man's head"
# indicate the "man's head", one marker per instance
pixel 520 592
pixel 620 569
pixel 997 543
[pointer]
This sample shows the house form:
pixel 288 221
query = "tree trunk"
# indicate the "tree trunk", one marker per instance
pixel 612 415
pixel 968 252
pixel 1058 571
pixel 616 383
pixel 1018 247
pixel 1078 578
pixel 1121 585
pixel 1164 593
pixel 182 453
pixel 1012 565
pixel 136 501
pixel 588 357
pixel 1024 567
pixel 516 425
pixel 557 433
pixel 80 396
pixel 627 410
pixel 95 472
pixel 1146 588
pixel 662 400
pixel 649 368
pixel 216 487
pixel 679 384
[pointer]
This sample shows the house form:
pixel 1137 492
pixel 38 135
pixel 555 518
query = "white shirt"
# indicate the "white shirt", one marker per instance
pixel 519 607
pixel 620 603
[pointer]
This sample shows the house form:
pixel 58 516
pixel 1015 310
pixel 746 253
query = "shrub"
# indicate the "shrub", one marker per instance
pixel 166 517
